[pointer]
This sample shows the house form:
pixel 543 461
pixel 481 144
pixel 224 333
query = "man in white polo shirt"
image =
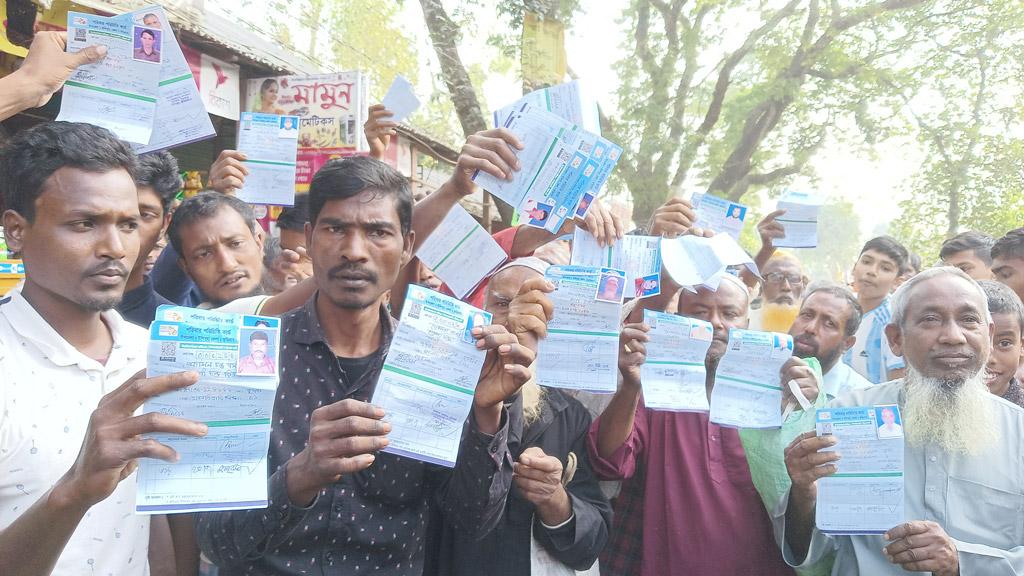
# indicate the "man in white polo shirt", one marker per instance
pixel 72 211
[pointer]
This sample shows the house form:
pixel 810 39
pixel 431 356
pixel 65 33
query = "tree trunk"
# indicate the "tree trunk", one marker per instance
pixel 444 34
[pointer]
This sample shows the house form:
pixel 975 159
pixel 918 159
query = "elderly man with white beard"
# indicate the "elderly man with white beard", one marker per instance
pixel 964 454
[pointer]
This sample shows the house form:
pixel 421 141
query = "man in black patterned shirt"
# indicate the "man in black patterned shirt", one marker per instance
pixel 337 504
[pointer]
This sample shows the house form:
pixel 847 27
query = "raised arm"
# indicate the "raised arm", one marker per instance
pixel 492 151
pixel 43 72
pixel 768 229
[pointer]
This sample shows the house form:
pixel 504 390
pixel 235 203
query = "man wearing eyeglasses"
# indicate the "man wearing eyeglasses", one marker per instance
pixel 782 286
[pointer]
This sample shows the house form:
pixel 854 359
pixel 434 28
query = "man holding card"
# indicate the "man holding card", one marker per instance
pixel 963 476
pixel 67 492
pixel 336 501
pixel 687 484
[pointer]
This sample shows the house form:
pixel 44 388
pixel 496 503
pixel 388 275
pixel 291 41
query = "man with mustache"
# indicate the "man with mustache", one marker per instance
pixel 825 327
pixel 963 473
pixel 219 245
pixel 781 289
pixel 72 373
pixel 688 504
pixel 337 503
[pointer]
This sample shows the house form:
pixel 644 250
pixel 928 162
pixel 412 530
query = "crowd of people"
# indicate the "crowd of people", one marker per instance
pixel 547 481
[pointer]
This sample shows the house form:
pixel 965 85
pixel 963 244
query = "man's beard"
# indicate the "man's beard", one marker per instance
pixel 955 414
pixel 827 359
pixel 101 304
pixel 778 317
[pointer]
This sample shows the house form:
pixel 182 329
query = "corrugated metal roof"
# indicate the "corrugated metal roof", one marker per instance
pixel 211 28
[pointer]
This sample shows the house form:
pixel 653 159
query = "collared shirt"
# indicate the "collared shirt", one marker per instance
pixel 696 505
pixel 249 366
pixel 1014 393
pixel 978 500
pixel 48 391
pixel 842 379
pixel 871 356
pixel 374 520
pixel 140 54
pixel 139 304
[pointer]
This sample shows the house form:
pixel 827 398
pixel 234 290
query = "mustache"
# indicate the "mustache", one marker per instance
pixel 352 270
pixel 114 265
pixel 806 339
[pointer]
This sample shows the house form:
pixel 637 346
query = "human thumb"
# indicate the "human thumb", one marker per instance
pixel 88 55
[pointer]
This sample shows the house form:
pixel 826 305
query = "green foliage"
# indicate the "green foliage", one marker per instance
pixel 963 101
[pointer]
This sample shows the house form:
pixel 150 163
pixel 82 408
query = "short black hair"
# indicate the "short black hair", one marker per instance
pixel 974 240
pixel 1003 300
pixel 890 247
pixel 913 263
pixel 295 217
pixel 30 158
pixel 159 171
pixel 1009 246
pixel 344 178
pixel 201 207
pixel 259 335
pixel 148 31
pixel 844 293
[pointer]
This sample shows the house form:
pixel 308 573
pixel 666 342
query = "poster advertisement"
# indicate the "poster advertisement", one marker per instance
pixel 331 109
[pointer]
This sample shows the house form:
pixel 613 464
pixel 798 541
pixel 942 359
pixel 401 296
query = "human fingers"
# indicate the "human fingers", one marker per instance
pixel 134 393
pixel 499 143
pixel 504 134
pixel 492 339
pixel 155 422
pixel 541 284
pixel 906 529
pixel 87 55
pixel 475 158
pixel 594 223
pixel 542 463
pixel 612 228
pixel 534 301
pixel 348 407
pixel 349 426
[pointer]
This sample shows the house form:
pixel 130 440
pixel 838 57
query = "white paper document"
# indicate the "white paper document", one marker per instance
pixel 400 100
pixel 569 101
pixel 674 376
pixel 581 351
pixel 270 142
pixel 461 252
pixel 563 167
pixel 748 387
pixel 697 261
pixel 800 220
pixel 120 91
pixel 236 357
pixel 181 116
pixel 865 495
pixel 638 256
pixel 430 375
pixel 718 214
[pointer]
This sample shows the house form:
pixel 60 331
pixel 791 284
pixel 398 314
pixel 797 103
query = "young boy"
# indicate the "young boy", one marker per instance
pixel 1008 316
pixel 881 262
pixel 1008 261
